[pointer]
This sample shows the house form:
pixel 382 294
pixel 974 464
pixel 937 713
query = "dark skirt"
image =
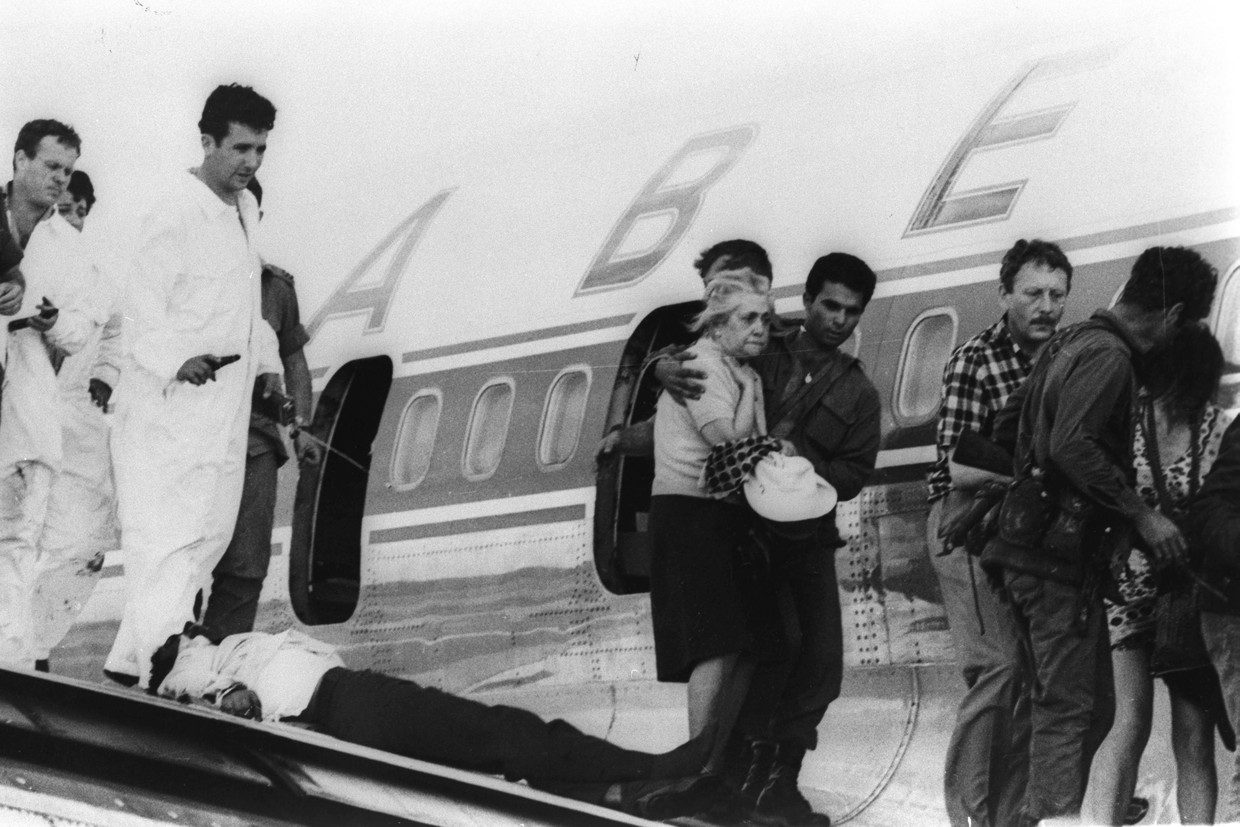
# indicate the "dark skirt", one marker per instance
pixel 709 594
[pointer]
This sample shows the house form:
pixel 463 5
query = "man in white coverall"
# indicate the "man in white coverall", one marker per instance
pixel 183 407
pixel 55 320
pixel 81 511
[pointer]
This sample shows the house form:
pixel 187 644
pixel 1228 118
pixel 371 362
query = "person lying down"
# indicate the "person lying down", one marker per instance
pixel 290 676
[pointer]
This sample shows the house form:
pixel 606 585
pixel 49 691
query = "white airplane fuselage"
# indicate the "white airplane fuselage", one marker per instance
pixel 489 327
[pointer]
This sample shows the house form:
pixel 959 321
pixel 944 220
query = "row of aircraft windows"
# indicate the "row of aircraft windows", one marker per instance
pixel 928 343
pixel 486 434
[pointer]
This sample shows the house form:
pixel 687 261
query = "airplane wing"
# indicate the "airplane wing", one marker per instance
pixel 79 753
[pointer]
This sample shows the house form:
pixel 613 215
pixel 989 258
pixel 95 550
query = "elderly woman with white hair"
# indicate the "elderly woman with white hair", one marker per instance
pixel 708 620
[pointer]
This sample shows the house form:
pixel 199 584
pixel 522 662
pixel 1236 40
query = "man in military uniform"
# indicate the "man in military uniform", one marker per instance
pixel 238 577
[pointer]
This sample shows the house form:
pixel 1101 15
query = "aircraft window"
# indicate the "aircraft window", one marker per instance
pixel 411 458
pixel 563 416
pixel 325 556
pixel 927 346
pixel 488 430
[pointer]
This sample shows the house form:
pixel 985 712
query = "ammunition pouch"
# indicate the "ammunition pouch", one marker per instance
pixel 1049 531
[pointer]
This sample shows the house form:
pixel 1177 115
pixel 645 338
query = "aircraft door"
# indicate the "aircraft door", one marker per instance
pixel 325 554
pixel 621 530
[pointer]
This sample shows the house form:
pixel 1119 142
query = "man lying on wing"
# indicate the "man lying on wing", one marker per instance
pixel 293 677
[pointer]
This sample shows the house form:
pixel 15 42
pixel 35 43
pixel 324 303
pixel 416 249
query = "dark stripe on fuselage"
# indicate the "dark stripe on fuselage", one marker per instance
pixel 1083 242
pixel 540 516
pixel 884 328
pixel 116 571
pixel 517 338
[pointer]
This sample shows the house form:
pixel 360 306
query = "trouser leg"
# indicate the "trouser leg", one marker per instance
pixel 987 757
pixel 424 723
pixel 818 666
pixel 23 508
pixel 81 526
pixel 237 580
pixel 1072 695
pixel 1222 637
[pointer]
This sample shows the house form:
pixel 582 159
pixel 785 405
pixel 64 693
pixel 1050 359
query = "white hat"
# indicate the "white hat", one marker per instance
pixel 786 489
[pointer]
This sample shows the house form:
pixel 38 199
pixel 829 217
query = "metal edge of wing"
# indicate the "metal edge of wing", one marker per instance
pixel 308 777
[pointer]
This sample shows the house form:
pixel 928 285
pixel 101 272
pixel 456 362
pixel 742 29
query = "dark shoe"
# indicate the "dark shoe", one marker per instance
pixel 727 808
pixel 42 665
pixel 1138 808
pixel 781 803
pixel 669 798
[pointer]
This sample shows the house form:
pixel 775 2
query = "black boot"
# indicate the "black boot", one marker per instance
pixel 761 760
pixel 781 803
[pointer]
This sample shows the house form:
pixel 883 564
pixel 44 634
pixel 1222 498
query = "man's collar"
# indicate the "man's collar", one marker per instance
pixel 206 198
pixel 1112 321
pixel 1005 335
pixel 805 347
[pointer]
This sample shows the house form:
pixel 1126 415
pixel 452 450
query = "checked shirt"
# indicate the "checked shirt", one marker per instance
pixel 977 380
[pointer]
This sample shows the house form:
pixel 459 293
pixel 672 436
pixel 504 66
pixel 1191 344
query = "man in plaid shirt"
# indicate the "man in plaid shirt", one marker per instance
pixel 984 778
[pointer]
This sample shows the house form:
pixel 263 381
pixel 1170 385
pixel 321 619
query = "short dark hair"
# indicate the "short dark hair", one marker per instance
pixel 1187 370
pixel 32 132
pixel 1046 253
pixel 739 253
pixel 841 268
pixel 235 104
pixel 81 188
pixel 1166 276
pixel 165 656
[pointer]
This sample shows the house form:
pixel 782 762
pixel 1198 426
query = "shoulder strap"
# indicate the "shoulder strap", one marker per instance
pixel 793 409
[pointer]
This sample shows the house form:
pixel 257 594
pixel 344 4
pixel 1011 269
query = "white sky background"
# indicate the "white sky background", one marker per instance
pixel 376 100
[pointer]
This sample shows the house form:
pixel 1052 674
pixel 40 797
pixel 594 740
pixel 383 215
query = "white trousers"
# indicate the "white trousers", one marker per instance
pixel 24 494
pixel 81 526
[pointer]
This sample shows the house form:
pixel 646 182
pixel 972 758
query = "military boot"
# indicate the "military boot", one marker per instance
pixel 781 803
pixel 761 759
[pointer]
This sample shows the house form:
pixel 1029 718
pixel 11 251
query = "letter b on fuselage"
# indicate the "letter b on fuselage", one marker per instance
pixel 669 202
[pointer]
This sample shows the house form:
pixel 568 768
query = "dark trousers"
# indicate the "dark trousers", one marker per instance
pixel 788 697
pixel 1072 694
pixel 400 716
pixel 238 577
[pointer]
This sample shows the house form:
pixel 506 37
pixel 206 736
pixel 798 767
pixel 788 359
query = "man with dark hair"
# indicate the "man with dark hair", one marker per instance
pixel 193 310
pixel 77 199
pixel 290 676
pixel 734 254
pixel 233 105
pixel 818 398
pixel 31 419
pixel 80 522
pixel 237 580
pixel 984 778
pixel 1072 500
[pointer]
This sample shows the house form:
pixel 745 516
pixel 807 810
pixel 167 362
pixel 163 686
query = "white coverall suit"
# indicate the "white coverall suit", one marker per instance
pixel 81 520
pixel 31 420
pixel 179 450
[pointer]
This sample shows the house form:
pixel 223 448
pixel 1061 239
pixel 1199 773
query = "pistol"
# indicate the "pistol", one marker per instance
pixel 217 362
